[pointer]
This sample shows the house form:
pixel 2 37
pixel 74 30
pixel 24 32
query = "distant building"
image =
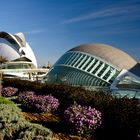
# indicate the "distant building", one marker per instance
pixel 19 55
pixel 15 46
pixel 95 65
pixel 18 68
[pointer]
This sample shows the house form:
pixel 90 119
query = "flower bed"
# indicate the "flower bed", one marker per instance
pixel 120 116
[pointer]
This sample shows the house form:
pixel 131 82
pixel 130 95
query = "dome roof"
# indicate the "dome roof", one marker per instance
pixel 114 56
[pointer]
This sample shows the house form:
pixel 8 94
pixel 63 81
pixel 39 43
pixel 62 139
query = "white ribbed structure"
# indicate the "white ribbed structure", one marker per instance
pixel 112 55
pixel 15 46
pixel 95 65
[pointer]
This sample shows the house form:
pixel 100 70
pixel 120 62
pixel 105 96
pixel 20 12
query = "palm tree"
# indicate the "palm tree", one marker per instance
pixel 2 60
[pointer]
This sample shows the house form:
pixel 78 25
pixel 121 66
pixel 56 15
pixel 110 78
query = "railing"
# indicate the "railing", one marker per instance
pixel 23 70
pixel 24 74
pixel 130 93
pixel 121 92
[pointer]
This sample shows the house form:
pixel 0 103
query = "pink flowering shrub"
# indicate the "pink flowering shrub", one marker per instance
pixel 45 103
pixel 9 91
pixel 138 136
pixel 40 103
pixel 25 97
pixel 82 119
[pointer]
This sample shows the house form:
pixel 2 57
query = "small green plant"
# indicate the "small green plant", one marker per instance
pixel 35 132
pixel 14 126
pixel 3 100
pixel 10 120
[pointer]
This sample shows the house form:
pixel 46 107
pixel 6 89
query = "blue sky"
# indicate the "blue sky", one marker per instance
pixel 52 27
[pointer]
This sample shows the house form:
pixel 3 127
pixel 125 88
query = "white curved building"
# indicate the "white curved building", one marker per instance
pixel 95 65
pixel 21 61
pixel 15 46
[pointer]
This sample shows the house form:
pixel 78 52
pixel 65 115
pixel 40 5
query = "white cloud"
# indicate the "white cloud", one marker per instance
pixel 35 31
pixel 107 12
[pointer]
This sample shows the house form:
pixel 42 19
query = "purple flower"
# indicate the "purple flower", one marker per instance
pixel 9 91
pixel 38 102
pixel 83 119
pixel 138 136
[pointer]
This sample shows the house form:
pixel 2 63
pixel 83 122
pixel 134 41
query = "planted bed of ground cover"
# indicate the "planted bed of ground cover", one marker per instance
pixel 74 113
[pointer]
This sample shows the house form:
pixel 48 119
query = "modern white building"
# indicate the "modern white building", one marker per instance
pixel 15 46
pixel 21 61
pixel 95 65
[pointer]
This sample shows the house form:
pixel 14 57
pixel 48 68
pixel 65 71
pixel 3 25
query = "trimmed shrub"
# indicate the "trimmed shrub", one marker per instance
pixel 67 95
pixel 14 126
pixel 22 85
pixel 82 119
pixel 25 96
pixel 45 103
pixel 121 117
pixel 9 91
pixel 35 132
pixel 3 100
pixel 10 120
pixel 38 103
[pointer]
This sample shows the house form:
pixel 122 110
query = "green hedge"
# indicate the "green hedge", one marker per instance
pixel 67 95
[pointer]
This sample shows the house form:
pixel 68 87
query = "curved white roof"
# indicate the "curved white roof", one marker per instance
pixel 114 56
pixel 15 46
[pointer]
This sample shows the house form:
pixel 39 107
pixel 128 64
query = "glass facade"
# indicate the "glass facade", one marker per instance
pixel 18 66
pixel 82 69
pixel 129 80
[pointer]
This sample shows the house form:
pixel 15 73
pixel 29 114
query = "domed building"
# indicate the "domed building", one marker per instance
pixel 95 65
pixel 15 46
